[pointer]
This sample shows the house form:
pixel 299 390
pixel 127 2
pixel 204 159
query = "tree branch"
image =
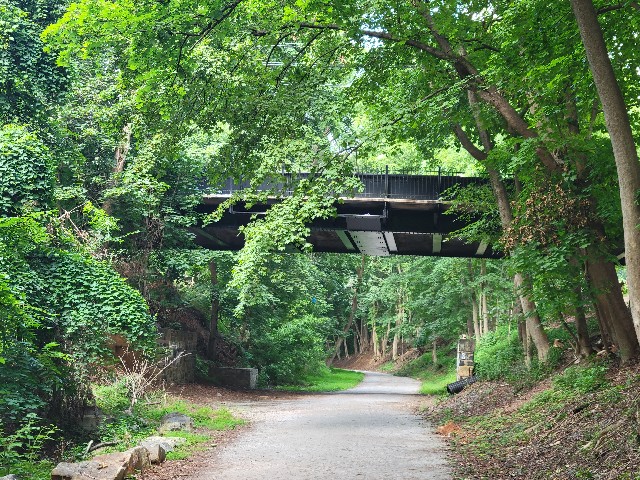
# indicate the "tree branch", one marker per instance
pixel 617 6
pixel 468 145
pixel 381 35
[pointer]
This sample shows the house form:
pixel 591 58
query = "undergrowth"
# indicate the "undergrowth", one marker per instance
pixel 434 377
pixel 583 426
pixel 127 429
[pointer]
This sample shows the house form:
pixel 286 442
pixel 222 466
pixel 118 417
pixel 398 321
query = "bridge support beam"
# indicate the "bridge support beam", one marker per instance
pixel 437 243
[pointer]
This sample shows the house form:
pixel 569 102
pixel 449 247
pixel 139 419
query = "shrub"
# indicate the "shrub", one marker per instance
pixel 20 451
pixel 286 353
pixel 581 379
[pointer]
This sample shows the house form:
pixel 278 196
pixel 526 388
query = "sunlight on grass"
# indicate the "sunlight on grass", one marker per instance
pixel 329 380
pixel 436 383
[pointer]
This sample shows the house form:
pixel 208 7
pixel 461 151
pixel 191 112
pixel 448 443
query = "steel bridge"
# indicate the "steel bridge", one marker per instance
pixel 397 213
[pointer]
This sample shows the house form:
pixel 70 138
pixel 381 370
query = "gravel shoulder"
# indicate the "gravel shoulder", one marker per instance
pixel 369 432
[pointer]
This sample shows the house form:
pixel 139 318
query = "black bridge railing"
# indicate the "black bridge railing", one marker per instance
pixel 428 186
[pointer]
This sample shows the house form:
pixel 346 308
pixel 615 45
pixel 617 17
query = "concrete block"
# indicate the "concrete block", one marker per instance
pixel 245 378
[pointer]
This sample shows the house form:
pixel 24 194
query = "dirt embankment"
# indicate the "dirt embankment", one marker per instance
pixel 552 431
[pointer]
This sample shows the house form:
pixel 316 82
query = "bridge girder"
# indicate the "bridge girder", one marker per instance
pixel 373 226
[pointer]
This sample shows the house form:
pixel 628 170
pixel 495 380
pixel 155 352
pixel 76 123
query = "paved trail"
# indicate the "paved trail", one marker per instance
pixel 368 432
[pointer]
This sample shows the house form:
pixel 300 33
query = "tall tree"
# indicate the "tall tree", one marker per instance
pixel 624 147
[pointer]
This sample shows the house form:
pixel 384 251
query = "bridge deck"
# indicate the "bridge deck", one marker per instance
pixel 396 214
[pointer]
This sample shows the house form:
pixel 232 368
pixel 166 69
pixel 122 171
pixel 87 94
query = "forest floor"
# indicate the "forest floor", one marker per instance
pixel 583 424
pixel 371 431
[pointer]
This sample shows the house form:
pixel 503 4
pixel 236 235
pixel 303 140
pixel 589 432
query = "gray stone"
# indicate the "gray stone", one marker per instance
pixel 92 418
pixel 90 470
pixel 245 378
pixel 157 452
pixel 172 422
pixel 168 443
pixel 10 477
pixel 110 466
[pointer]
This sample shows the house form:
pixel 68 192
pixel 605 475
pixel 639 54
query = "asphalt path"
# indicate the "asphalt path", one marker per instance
pixel 369 432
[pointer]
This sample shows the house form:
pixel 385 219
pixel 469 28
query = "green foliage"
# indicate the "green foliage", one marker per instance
pixel 288 353
pixel 326 380
pixel 128 426
pixel 437 383
pixel 582 379
pixel 30 80
pixel 20 451
pixel 111 398
pixel 29 379
pixel 26 171
pixel 79 302
pixel 185 450
pixel 434 377
pixel 499 355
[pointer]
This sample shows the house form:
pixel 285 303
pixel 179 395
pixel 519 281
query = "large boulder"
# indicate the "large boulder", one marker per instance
pixel 168 443
pixel 110 466
pixel 172 422
pixel 89 470
pixel 157 452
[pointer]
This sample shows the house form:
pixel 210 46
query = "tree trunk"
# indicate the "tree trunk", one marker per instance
pixel 434 353
pixel 584 342
pixel 485 312
pixel 364 336
pixel 352 313
pixel 396 335
pixel 624 148
pixel 374 334
pixel 214 334
pixel 611 307
pixel 120 157
pixel 474 306
pixel 534 325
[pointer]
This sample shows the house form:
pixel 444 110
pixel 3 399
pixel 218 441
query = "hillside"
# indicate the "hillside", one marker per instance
pixel 582 423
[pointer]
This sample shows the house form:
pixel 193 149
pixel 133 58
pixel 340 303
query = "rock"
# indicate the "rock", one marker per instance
pixel 168 443
pixel 90 470
pixel 175 421
pixel 10 477
pixel 110 466
pixel 157 452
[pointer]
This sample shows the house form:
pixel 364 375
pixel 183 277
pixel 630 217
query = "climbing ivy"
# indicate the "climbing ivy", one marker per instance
pixel 26 171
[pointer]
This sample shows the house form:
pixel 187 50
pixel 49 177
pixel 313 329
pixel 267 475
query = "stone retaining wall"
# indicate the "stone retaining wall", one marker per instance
pixel 177 341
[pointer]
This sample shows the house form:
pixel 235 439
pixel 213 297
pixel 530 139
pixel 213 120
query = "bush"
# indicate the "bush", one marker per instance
pixel 112 398
pixel 498 355
pixel 581 379
pixel 287 353
pixel 20 451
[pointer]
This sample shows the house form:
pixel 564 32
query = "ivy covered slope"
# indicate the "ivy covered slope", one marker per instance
pixel 58 304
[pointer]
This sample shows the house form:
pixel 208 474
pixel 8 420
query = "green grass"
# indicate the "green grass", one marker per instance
pixel 436 382
pixel 202 416
pixel 192 444
pixel 329 380
pixel 129 429
pixel 434 377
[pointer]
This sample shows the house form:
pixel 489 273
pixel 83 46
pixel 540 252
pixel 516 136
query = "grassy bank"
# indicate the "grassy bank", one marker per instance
pixel 581 424
pixel 434 377
pixel 328 380
pixel 124 427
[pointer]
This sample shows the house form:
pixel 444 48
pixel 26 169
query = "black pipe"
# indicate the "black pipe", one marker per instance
pixel 456 387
